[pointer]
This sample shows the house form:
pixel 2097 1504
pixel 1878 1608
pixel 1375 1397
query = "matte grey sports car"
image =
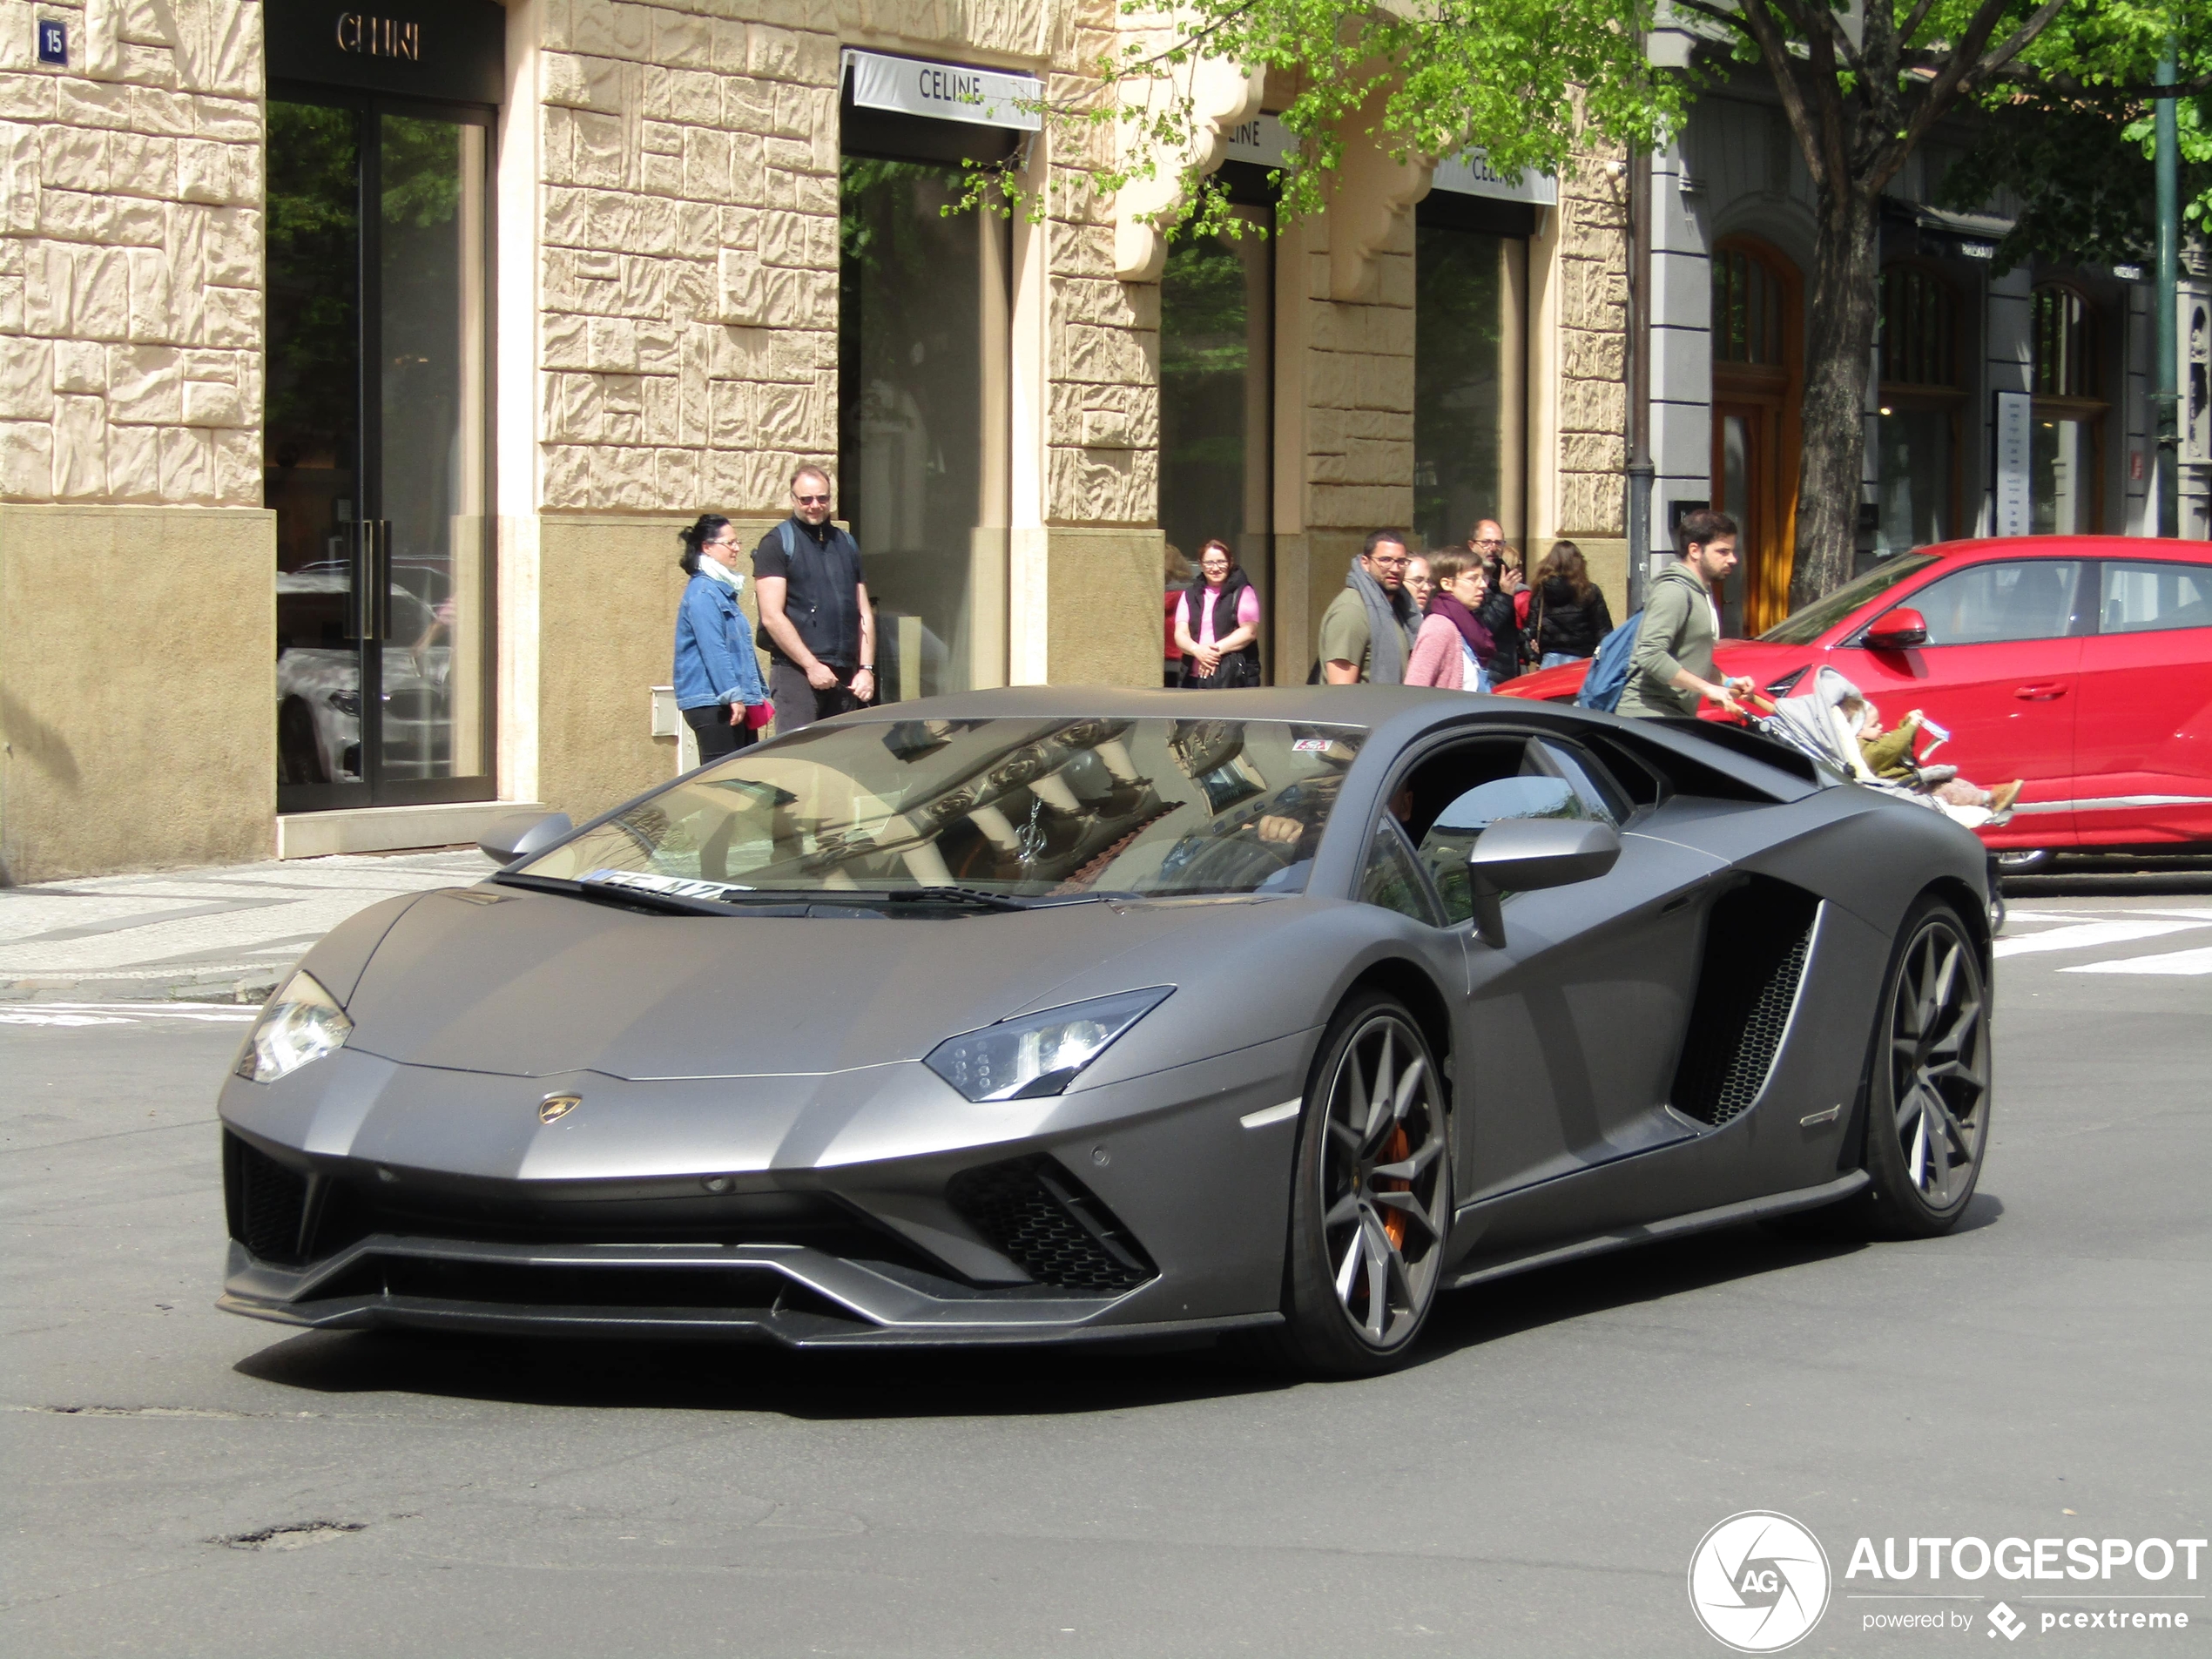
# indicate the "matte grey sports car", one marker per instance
pixel 1035 1015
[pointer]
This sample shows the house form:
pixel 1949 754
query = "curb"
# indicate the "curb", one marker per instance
pixel 233 984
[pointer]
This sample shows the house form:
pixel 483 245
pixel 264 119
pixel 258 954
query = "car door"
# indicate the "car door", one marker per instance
pixel 1568 1036
pixel 2143 733
pixel 2001 672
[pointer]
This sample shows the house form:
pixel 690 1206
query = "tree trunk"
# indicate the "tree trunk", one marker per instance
pixel 1839 344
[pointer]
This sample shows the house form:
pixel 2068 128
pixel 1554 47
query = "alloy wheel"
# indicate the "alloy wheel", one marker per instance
pixel 1939 1063
pixel 1384 1187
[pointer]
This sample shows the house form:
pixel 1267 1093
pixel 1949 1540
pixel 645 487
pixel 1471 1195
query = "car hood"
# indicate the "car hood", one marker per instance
pixel 531 985
pixel 1762 661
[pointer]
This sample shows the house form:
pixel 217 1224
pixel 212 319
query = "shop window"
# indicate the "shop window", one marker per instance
pixel 376 458
pixel 922 342
pixel 1756 389
pixel 1916 436
pixel 1467 379
pixel 1751 306
pixel 2065 482
pixel 1216 394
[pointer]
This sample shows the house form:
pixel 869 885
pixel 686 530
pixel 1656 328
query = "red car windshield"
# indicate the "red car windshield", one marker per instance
pixel 1803 627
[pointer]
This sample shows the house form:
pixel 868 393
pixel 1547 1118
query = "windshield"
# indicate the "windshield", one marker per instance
pixel 1029 808
pixel 1803 627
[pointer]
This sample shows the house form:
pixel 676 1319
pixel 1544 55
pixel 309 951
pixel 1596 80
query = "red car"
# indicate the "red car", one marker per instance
pixel 2081 664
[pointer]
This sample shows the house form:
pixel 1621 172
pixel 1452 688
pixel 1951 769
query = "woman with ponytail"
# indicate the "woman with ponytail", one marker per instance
pixel 717 678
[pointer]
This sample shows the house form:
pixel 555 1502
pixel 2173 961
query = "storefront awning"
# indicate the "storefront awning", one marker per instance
pixel 989 97
pixel 1263 139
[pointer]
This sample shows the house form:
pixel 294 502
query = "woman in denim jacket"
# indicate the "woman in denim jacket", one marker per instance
pixel 718 677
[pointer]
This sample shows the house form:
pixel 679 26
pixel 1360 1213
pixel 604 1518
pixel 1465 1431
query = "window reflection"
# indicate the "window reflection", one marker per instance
pixel 1461 375
pixel 1217 332
pixel 921 399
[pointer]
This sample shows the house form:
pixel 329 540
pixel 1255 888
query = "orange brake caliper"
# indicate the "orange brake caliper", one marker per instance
pixel 1394 1221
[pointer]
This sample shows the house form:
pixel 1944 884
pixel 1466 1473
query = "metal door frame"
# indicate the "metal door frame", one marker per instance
pixel 369 602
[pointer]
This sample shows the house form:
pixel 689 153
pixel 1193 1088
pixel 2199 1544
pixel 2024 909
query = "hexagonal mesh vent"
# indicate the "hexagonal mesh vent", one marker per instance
pixel 1044 1219
pixel 1756 942
pixel 266 1203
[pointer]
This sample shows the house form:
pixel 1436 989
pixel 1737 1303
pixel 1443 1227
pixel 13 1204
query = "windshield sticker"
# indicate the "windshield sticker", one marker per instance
pixel 675 887
pixel 1311 746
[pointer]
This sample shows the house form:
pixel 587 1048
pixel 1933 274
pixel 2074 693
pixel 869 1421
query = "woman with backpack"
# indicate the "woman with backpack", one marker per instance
pixel 718 689
pixel 1568 614
pixel 1217 624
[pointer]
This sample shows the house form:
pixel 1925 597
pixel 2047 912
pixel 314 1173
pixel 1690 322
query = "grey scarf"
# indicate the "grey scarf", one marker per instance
pixel 1391 622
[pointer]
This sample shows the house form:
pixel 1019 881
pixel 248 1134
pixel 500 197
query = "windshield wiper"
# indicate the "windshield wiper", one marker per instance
pixel 975 896
pixel 610 892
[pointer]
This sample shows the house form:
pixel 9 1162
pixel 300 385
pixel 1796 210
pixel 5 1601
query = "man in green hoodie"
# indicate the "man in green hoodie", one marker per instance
pixel 1671 670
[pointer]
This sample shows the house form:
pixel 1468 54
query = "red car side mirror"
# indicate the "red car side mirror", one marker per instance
pixel 1898 630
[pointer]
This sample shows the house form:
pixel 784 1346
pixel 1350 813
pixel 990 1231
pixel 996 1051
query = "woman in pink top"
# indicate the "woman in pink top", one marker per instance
pixel 1452 645
pixel 1217 624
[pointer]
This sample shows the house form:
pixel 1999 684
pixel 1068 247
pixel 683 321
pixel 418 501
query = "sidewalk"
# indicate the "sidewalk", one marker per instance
pixel 210 936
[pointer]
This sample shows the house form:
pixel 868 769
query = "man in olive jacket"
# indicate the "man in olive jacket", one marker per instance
pixel 1671 670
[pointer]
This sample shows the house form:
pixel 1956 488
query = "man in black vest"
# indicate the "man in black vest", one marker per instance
pixel 814 609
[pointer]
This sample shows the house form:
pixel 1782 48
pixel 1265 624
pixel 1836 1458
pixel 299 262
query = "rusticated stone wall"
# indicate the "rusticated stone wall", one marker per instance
pixel 688 286
pixel 688 326
pixel 1592 343
pixel 1103 445
pixel 1359 391
pixel 130 298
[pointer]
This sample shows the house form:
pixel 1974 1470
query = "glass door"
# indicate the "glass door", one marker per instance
pixel 375 450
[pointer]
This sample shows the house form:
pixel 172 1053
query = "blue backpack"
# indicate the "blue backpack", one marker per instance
pixel 1609 674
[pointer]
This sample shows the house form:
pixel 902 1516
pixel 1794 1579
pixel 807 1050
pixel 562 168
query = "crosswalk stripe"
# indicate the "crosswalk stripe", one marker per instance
pixel 2084 936
pixel 81 1014
pixel 2173 961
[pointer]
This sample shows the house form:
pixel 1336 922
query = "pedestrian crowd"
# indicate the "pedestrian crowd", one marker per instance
pixel 1464 618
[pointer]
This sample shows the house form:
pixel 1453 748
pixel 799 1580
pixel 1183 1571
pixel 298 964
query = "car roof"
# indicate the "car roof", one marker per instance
pixel 1395 716
pixel 2075 547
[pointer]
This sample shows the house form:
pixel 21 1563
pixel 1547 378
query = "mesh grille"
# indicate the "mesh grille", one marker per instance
pixel 1040 1217
pixel 265 1201
pixel 1756 943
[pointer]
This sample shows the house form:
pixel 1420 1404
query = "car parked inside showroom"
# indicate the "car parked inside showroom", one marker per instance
pixel 2080 664
pixel 1058 1014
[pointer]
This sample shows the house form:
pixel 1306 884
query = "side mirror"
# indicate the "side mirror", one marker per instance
pixel 1900 629
pixel 519 834
pixel 1520 855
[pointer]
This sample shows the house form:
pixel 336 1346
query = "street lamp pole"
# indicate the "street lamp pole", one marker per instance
pixel 2169 262
pixel 1640 469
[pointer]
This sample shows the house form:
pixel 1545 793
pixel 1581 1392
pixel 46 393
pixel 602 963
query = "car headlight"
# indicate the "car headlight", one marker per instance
pixel 300 1022
pixel 1039 1054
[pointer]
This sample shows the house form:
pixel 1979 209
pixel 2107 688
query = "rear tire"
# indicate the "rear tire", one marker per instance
pixel 1929 1088
pixel 1370 1199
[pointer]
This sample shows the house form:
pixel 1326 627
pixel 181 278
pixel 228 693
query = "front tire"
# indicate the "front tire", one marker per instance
pixel 1928 1099
pixel 1371 1201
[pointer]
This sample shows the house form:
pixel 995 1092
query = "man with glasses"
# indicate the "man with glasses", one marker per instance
pixel 1368 628
pixel 814 609
pixel 1500 609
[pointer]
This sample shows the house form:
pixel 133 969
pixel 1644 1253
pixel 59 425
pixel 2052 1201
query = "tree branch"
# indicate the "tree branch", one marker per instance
pixel 2060 84
pixel 1965 61
pixel 1759 23
pixel 1913 19
pixel 1878 84
pixel 2038 21
pixel 1734 20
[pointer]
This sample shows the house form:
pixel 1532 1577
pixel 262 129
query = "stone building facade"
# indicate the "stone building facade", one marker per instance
pixel 648 214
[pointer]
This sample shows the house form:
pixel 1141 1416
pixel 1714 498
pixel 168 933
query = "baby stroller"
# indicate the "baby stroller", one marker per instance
pixel 1814 724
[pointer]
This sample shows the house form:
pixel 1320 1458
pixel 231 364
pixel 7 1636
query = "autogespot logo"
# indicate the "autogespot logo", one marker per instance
pixel 1758 1581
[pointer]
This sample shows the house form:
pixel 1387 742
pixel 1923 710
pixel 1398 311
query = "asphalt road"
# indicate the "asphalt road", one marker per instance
pixel 180 1481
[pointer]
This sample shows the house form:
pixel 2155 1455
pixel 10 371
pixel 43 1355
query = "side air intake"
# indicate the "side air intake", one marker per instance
pixel 267 1203
pixel 1040 1216
pixel 1755 941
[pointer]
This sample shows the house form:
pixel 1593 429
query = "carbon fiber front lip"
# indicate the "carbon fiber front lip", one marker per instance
pixel 873 1307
